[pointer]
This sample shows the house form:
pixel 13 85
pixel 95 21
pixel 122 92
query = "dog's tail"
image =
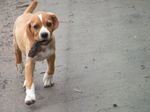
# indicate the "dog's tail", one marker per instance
pixel 31 7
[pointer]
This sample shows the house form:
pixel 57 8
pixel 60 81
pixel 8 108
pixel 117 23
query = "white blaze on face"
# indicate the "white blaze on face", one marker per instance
pixel 43 29
pixel 40 16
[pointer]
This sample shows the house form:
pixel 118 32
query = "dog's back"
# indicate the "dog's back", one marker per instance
pixel 20 25
pixel 26 16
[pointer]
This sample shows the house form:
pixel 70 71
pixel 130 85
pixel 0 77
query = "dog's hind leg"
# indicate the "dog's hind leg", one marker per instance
pixel 18 54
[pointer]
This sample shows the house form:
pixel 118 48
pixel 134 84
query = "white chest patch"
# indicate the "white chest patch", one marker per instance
pixel 44 54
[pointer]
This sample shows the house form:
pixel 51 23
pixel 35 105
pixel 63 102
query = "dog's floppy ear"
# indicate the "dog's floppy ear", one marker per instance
pixel 29 32
pixel 55 20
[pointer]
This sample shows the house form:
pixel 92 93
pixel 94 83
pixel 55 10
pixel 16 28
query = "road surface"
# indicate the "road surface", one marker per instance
pixel 103 58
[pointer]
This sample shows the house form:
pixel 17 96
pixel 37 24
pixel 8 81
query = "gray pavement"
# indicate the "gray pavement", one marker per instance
pixel 103 58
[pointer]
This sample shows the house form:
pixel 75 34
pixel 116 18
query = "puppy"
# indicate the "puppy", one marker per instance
pixel 30 29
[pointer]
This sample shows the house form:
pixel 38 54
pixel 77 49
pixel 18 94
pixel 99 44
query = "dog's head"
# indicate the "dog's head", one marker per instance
pixel 41 26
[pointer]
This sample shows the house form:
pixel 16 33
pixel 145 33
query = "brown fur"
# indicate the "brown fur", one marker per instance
pixel 25 36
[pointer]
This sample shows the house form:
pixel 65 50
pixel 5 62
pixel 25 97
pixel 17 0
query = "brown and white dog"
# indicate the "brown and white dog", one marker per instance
pixel 29 28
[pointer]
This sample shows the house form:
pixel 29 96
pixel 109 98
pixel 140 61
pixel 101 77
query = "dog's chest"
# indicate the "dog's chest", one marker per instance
pixel 44 54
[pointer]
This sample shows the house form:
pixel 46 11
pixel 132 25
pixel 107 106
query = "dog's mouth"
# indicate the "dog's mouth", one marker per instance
pixel 44 42
pixel 36 47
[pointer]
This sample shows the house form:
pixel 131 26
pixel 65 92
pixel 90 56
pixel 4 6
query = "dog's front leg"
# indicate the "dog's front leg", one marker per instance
pixel 48 76
pixel 30 89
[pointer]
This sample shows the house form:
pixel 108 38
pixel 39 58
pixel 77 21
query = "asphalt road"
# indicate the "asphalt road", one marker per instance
pixel 103 58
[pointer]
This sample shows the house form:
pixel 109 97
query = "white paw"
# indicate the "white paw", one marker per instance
pixel 24 84
pixel 48 80
pixel 20 67
pixel 30 95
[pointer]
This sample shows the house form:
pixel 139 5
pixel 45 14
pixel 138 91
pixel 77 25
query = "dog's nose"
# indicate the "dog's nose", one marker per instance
pixel 44 35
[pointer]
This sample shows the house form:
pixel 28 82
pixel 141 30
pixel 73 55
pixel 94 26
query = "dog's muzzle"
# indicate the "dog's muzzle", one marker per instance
pixel 44 34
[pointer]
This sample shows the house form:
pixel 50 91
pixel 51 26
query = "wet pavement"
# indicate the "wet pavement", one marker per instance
pixel 103 58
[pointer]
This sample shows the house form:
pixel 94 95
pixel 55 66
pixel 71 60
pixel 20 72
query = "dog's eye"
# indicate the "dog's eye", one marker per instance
pixel 49 24
pixel 36 27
